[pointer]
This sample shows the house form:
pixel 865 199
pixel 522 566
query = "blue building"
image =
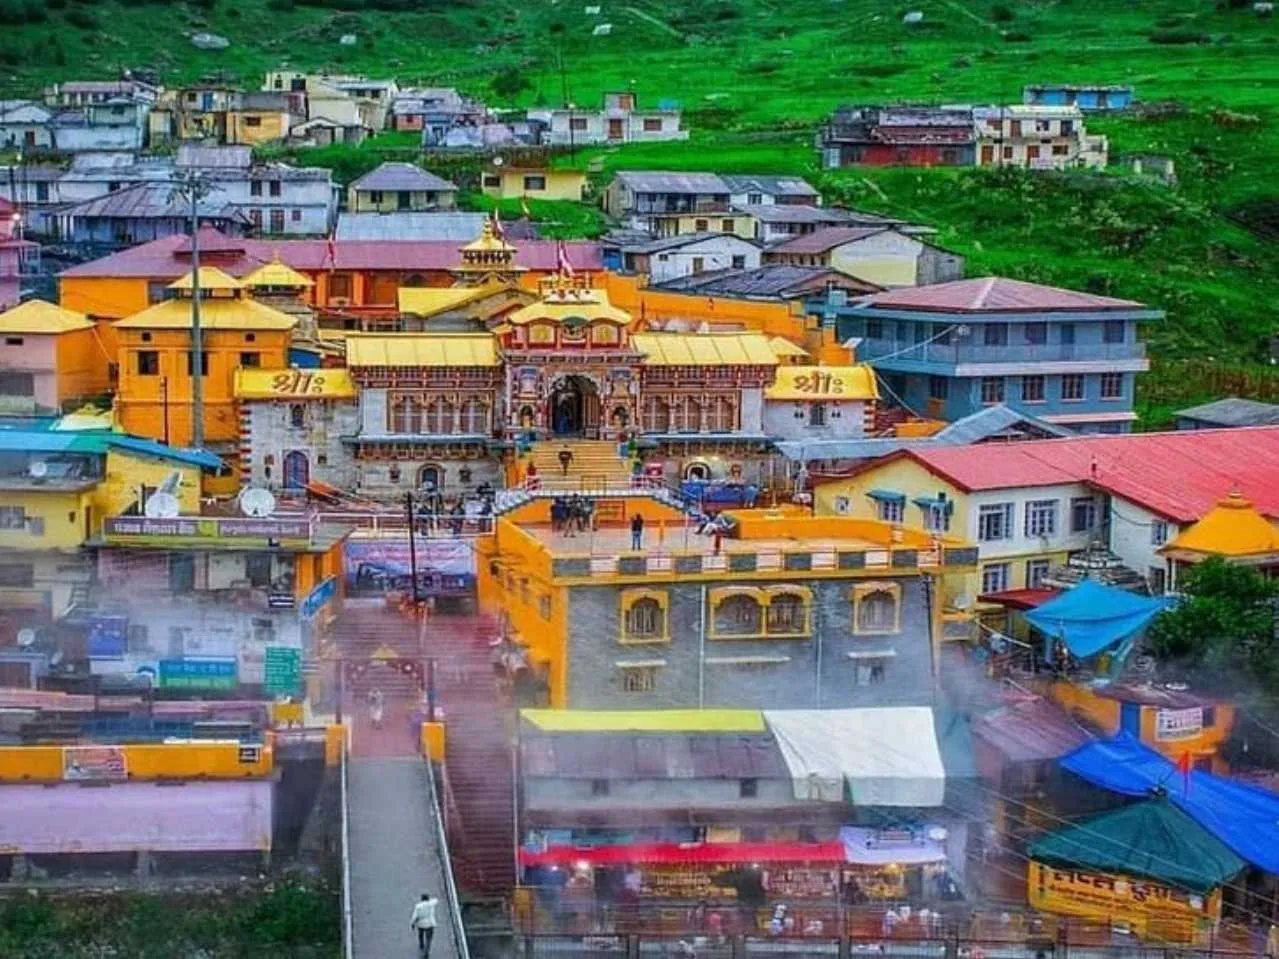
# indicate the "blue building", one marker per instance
pixel 1088 98
pixel 950 349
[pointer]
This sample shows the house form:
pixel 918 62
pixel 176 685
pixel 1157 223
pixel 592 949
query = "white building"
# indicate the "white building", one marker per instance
pixel 673 257
pixel 1037 138
pixel 620 121
pixel 820 403
pixel 24 124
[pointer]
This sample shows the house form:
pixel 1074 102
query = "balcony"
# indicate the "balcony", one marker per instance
pixel 908 357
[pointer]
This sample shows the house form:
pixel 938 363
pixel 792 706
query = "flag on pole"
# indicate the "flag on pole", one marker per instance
pixel 524 208
pixel 1184 766
pixel 497 226
pixel 561 259
pixel 331 253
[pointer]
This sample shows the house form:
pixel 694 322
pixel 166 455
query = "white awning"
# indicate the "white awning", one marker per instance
pixel 888 755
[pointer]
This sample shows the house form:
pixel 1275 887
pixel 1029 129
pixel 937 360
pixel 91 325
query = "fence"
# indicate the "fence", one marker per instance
pixel 446 864
pixel 348 944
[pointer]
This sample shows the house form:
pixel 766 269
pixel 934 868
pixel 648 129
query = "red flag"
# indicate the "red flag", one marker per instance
pixel 331 253
pixel 1184 765
pixel 497 226
pixel 561 259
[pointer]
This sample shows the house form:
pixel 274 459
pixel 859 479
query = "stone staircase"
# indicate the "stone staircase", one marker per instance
pixel 595 465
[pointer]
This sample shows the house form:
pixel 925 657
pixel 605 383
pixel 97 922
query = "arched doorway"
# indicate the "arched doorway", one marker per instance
pixel 575 407
pixel 297 470
pixel 428 478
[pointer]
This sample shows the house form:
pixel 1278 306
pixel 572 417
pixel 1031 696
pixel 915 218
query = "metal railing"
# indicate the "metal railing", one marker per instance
pixel 446 865
pixel 348 941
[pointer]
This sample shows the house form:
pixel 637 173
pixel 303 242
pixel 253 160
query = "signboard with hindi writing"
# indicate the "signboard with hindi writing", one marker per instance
pixel 198 674
pixel 282 674
pixel 240 530
pixel 1107 897
pixel 1173 724
pixel 94 764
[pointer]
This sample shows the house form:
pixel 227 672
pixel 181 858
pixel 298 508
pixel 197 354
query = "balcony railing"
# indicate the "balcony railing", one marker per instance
pixel 956 353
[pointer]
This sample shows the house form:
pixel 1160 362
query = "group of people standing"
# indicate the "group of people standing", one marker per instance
pixel 571 514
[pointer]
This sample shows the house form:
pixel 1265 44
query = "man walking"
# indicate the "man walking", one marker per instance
pixel 424 922
pixel 566 458
pixel 637 531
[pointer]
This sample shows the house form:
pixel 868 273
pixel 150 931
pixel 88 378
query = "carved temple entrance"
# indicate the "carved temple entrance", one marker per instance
pixel 575 407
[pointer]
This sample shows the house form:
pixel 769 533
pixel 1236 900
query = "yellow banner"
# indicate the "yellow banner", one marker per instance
pixel 1109 897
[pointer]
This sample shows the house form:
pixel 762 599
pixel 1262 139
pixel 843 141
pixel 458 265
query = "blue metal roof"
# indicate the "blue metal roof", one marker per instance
pixel 145 447
pixel 91 442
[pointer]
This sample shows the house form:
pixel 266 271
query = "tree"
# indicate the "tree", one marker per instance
pixel 1225 627
pixel 510 83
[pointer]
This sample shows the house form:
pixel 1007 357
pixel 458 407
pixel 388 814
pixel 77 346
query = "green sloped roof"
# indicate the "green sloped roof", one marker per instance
pixel 1150 840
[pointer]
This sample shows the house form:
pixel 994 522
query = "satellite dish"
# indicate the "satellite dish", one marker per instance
pixel 257 501
pixel 26 637
pixel 38 469
pixel 498 161
pixel 172 483
pixel 162 506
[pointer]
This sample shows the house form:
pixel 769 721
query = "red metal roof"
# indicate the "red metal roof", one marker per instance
pixel 722 853
pixel 1020 598
pixel 169 258
pixel 1179 475
pixel 1033 730
pixel 994 294
pixel 822 240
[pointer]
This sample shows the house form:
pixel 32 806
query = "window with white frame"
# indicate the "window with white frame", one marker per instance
pixel 1036 572
pixel 1158 532
pixel 1083 514
pixel 995 522
pixel 1041 517
pixel 891 510
pixel 994 578
pixel 936 516
pixel 992 389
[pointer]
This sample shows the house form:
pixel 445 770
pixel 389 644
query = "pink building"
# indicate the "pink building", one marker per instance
pixel 17 256
pixel 48 357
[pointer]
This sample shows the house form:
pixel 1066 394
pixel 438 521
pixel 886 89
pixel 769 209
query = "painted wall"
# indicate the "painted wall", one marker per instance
pixel 35 354
pixel 54 520
pixel 559 184
pixel 269 435
pixel 127 473
pixel 780 421
pixel 574 795
pixel 705 256
pixel 55 577
pixel 269 126
pixel 1136 534
pixel 366 201
pixel 888 259
pixel 211 760
pixel 110 297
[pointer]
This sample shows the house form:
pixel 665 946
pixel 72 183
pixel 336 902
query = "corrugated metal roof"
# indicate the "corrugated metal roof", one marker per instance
pixel 215 158
pixel 784 347
pixel 165 259
pixel 148 200
pixel 1034 730
pixel 216 313
pixel 704 349
pixel 991 421
pixel 652 756
pixel 994 294
pixel 1233 411
pixel 796 213
pixel 773 281
pixel 420 349
pixel 663 181
pixel 772 185
pixel 823 383
pixel 211 278
pixel 1180 475
pixel 277 274
pixel 98 442
pixel 684 239
pixel 645 720
pixel 820 241
pixel 457 227
pixel 38 316
pixel 145 447
pixel 429 300
pixel 396 177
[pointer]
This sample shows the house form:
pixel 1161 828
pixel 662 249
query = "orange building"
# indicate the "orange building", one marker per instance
pixel 154 397
pixel 49 357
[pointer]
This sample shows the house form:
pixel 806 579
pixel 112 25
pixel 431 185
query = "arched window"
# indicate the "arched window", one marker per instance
pixel 439 417
pixel 297 416
pixel 645 619
pixel 406 413
pixel 877 608
pixel 739 615
pixel 787 615
pixel 657 415
pixel 723 415
pixel 428 477
pixel 475 416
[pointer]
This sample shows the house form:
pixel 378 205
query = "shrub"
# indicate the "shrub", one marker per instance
pixel 82 19
pixel 1001 13
pixel 510 82
pixel 1175 37
pixel 1017 36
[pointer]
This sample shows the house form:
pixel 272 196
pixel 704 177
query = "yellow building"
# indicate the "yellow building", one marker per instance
pixel 49 357
pixel 155 388
pixel 535 184
pixel 399 187
pixel 734 221
pixel 258 118
pixel 692 620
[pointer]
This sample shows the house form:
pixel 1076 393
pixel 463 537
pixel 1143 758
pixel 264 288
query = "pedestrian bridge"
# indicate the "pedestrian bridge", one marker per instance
pixel 394 849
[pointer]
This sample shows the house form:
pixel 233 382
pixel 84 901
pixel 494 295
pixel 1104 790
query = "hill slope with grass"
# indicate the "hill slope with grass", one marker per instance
pixel 756 76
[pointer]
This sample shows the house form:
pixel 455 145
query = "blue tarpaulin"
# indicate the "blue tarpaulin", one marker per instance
pixel 1092 617
pixel 1243 817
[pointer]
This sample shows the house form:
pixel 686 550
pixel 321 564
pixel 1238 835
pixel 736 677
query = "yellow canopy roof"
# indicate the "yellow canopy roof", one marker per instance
pixel 823 383
pixel 215 314
pixel 294 384
pixel 704 349
pixel 488 242
pixel 211 278
pixel 87 417
pixel 571 303
pixel 421 349
pixel 784 347
pixel 38 316
pixel 646 720
pixel 277 273
pixel 428 300
pixel 1231 528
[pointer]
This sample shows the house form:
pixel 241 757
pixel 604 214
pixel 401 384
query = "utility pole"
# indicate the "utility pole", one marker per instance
pixel 408 512
pixel 193 186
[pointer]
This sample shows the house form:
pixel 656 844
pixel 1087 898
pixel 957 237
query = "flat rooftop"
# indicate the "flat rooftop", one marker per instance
pixel 680 540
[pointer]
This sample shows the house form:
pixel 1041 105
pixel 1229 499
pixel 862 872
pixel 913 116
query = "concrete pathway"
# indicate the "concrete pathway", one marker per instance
pixel 394 858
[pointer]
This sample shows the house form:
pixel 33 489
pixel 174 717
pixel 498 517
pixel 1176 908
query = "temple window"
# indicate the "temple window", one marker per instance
pixel 737 614
pixel 876 608
pixel 788 613
pixel 604 333
pixel 475 416
pixel 297 416
pixel 405 413
pixel 439 416
pixel 686 415
pixel 657 415
pixel 644 616
pixel 722 415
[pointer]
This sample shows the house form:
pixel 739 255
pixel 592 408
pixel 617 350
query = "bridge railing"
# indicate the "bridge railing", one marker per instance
pixel 446 865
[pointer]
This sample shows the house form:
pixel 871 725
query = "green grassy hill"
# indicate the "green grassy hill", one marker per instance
pixel 756 76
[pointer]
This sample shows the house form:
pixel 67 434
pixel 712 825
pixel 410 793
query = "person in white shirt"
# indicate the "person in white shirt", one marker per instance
pixel 424 922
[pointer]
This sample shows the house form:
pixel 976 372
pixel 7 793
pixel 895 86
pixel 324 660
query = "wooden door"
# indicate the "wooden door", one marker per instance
pixel 987 154
pixel 615 129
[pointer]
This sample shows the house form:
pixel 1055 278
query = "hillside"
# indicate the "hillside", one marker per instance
pixel 756 76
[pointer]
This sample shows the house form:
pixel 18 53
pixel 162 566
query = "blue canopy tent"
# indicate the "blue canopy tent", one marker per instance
pixel 1093 617
pixel 1244 818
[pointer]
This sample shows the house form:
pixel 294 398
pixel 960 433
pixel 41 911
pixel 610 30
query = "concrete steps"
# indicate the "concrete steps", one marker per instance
pixel 595 463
